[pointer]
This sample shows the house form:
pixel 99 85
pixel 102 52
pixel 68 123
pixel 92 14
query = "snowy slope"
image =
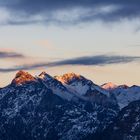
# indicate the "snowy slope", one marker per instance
pixel 36 109
pixel 109 86
pixel 126 95
pixel 80 84
pixel 56 86
pixel 67 107
pixel 86 89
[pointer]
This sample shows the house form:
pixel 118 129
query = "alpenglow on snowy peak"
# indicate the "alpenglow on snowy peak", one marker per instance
pixel 69 77
pixel 22 77
pixel 109 86
pixel 67 107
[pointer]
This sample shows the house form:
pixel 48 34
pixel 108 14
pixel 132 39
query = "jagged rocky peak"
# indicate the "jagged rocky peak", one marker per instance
pixel 44 75
pixel 135 86
pixel 22 77
pixel 123 86
pixel 68 77
pixel 109 86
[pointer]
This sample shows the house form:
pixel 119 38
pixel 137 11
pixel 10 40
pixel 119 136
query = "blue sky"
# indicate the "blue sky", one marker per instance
pixel 43 32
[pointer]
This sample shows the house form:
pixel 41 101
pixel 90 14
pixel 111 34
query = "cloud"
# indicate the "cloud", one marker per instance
pixel 67 11
pixel 98 60
pixel 4 54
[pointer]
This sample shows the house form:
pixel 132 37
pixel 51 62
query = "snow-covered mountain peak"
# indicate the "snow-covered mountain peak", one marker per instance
pixel 125 94
pixel 22 77
pixel 68 77
pixel 135 86
pixel 81 86
pixel 45 76
pixel 123 86
pixel 55 85
pixel 109 86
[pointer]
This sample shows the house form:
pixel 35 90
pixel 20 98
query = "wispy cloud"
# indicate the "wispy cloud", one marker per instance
pixel 5 54
pixel 98 60
pixel 67 11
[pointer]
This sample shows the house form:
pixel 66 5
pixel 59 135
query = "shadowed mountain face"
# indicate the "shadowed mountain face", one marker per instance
pixel 127 124
pixel 62 107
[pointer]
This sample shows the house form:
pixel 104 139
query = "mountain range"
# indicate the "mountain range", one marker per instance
pixel 68 107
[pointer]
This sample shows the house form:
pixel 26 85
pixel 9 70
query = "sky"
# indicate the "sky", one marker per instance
pixel 95 38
